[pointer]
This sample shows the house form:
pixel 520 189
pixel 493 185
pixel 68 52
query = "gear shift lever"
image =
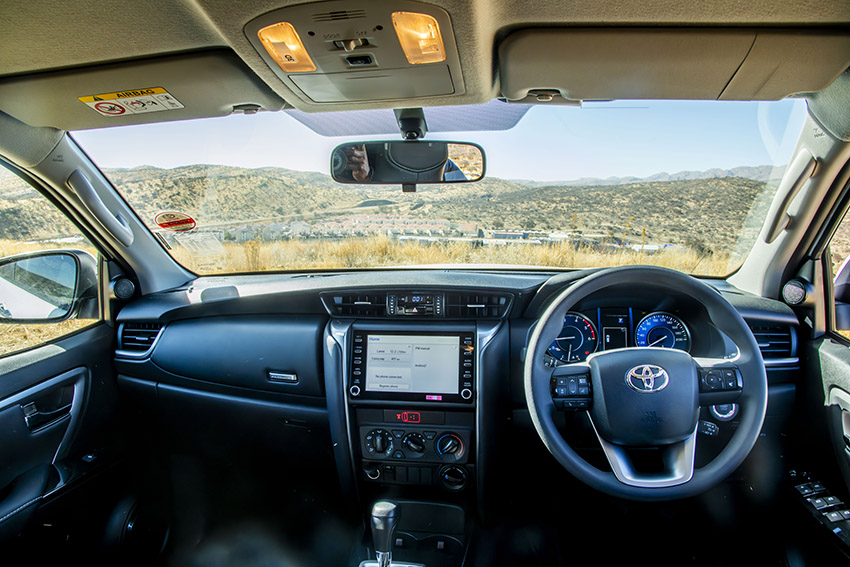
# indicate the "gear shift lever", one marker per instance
pixel 385 516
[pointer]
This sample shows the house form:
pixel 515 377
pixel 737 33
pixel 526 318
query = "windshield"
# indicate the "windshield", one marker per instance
pixel 685 185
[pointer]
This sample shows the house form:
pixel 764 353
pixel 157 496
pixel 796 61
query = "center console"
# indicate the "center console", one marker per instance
pixel 404 399
pixel 411 402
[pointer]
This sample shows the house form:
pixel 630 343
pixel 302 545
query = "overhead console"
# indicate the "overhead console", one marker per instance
pixel 336 51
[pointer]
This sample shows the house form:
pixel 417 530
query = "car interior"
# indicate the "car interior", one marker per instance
pixel 341 407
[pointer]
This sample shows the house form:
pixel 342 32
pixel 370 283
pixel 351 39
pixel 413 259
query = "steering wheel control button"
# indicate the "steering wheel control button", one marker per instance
pixel 571 391
pixel 719 380
pixel 710 381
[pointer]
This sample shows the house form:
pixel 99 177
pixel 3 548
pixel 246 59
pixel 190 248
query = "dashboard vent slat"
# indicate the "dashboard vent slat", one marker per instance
pixel 137 336
pixel 480 306
pixel 773 341
pixel 351 305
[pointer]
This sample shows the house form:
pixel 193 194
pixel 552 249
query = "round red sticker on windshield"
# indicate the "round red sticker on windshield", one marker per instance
pixel 178 222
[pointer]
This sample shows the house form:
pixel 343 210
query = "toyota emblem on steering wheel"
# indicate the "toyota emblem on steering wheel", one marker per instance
pixel 647 378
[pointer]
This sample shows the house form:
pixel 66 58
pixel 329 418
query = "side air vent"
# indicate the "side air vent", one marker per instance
pixel 351 305
pixel 476 306
pixel 338 15
pixel 774 341
pixel 138 337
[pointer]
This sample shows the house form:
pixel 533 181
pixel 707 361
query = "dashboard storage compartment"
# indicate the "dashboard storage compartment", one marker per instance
pixel 246 351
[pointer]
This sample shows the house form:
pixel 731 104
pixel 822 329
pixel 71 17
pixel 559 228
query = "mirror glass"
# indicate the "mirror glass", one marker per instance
pixel 38 287
pixel 399 162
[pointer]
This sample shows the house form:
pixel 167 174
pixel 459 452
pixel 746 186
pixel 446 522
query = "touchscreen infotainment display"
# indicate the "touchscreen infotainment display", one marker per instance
pixel 412 363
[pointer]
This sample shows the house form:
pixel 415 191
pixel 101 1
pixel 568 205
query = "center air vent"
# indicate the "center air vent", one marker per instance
pixel 138 337
pixel 359 305
pixel 476 306
pixel 774 341
pixel 339 15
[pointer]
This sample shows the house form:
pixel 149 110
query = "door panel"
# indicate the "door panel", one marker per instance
pixel 828 404
pixel 55 403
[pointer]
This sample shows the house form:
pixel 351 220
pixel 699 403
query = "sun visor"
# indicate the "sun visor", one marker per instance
pixel 178 87
pixel 699 64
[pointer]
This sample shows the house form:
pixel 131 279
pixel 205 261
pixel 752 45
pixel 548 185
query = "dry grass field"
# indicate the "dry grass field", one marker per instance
pixel 382 251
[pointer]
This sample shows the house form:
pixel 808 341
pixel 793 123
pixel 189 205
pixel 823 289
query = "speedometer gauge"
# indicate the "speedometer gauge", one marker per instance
pixel 662 330
pixel 576 340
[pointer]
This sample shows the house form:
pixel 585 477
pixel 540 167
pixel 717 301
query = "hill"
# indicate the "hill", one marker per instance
pixel 704 214
pixel 762 173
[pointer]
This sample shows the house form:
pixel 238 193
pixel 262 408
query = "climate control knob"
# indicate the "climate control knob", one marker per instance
pixel 379 443
pixel 453 478
pixel 450 445
pixel 414 442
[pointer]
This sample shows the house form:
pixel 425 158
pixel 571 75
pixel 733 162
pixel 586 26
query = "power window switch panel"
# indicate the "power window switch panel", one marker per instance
pixel 805 489
pixel 818 503
pixel 832 500
pixel 834 516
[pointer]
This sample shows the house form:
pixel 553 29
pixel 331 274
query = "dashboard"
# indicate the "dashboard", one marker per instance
pixel 405 379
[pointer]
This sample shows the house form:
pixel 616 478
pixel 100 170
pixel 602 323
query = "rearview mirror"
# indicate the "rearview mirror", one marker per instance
pixel 50 286
pixel 407 162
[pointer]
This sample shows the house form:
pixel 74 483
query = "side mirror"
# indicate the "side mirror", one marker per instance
pixel 48 286
pixel 407 162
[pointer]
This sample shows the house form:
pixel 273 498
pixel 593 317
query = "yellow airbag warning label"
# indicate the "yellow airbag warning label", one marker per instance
pixel 139 101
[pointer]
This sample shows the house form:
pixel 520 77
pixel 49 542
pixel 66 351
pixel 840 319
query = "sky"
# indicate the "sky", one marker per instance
pixel 550 143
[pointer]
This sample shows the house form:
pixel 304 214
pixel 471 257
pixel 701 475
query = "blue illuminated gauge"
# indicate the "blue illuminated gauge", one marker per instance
pixel 662 330
pixel 576 340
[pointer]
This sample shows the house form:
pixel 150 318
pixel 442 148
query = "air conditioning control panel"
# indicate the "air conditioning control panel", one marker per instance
pixel 409 446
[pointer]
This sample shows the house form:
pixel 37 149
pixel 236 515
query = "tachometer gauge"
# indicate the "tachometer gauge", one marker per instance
pixel 662 330
pixel 576 340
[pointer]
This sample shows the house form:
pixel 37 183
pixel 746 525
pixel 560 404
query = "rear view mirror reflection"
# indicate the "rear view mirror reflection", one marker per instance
pixel 407 162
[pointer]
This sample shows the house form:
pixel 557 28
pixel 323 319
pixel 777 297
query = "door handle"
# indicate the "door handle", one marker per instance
pixel 36 419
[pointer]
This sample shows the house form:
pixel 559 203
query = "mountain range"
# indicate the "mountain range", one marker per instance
pixel 762 173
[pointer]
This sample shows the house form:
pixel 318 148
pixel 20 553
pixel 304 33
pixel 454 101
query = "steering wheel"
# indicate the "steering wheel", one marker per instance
pixel 647 397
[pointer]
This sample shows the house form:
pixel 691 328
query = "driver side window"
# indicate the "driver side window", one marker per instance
pixel 44 293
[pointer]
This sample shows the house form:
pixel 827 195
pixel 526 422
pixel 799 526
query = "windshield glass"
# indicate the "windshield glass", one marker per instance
pixel 685 185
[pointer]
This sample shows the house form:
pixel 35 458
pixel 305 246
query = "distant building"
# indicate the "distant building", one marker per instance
pixel 299 228
pixel 272 231
pixel 510 235
pixel 245 234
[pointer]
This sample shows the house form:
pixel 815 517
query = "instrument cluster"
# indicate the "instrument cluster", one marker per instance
pixel 586 332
